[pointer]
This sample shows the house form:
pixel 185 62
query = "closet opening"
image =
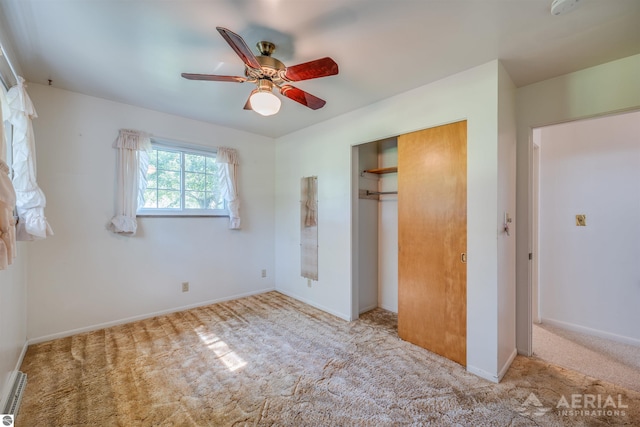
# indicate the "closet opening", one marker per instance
pixel 376 245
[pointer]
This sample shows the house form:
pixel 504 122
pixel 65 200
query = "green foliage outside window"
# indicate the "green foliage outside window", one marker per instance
pixel 182 180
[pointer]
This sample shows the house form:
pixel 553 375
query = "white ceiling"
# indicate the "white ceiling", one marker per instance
pixel 133 51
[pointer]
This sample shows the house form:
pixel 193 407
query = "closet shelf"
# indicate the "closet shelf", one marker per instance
pixel 379 171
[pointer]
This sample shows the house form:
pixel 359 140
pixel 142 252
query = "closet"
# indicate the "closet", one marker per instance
pixel 378 225
pixel 429 251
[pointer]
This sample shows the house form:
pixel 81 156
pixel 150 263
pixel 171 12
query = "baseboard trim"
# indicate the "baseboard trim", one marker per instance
pixel 313 304
pixel 104 325
pixel 483 374
pixel 507 365
pixel 12 378
pixel 595 332
pixel 389 308
pixel 369 308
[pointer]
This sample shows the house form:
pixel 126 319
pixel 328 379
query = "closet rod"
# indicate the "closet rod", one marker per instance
pixel 376 193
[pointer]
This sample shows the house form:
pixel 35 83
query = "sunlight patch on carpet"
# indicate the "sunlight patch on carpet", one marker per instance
pixel 230 359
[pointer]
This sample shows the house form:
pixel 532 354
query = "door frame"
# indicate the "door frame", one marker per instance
pixel 535 232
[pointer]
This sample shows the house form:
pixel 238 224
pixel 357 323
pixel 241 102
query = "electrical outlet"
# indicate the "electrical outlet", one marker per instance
pixel 185 286
pixel 264 273
pixel 308 283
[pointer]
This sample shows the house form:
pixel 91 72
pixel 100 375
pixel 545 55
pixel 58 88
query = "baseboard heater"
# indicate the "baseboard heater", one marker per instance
pixel 13 403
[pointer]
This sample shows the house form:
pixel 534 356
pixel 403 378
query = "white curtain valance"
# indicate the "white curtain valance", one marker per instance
pixel 228 159
pixel 30 200
pixel 132 163
pixel 227 155
pixel 132 140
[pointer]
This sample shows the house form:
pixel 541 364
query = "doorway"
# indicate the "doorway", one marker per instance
pixel 585 203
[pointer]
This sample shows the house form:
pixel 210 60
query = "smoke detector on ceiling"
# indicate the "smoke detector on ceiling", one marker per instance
pixel 559 7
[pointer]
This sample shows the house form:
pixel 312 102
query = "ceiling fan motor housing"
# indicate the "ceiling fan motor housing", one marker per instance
pixel 264 85
pixel 271 68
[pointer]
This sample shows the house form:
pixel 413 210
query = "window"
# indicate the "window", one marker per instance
pixel 7 80
pixel 182 182
pixel 7 128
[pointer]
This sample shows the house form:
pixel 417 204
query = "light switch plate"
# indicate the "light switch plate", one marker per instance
pixel 581 220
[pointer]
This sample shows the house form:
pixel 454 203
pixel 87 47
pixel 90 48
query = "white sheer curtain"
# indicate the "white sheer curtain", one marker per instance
pixel 132 163
pixel 228 160
pixel 30 200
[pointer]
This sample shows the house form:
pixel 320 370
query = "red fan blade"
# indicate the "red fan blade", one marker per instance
pixel 214 78
pixel 311 70
pixel 302 97
pixel 240 47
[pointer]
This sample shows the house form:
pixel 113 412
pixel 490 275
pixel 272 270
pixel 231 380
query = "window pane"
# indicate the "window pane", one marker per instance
pixel 153 159
pixel 168 160
pixel 152 178
pixel 194 181
pixel 150 198
pixel 213 183
pixel 214 201
pixel 212 166
pixel 195 200
pixel 169 180
pixel 194 163
pixel 176 177
pixel 168 199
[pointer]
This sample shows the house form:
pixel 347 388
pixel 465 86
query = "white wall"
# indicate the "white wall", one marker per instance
pixel 84 276
pixel 590 276
pixel 367 224
pixel 603 89
pixel 506 205
pixel 325 150
pixel 388 229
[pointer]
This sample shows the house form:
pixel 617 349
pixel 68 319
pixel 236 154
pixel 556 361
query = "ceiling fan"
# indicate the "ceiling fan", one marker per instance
pixel 267 72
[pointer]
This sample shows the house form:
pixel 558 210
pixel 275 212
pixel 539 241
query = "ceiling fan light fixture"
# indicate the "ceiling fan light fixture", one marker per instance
pixel 263 101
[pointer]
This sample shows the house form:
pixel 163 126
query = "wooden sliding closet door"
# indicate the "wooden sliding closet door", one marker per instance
pixel 432 239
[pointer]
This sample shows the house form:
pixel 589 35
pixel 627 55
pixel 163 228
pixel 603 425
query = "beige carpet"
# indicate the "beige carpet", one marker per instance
pixel 269 360
pixel 608 360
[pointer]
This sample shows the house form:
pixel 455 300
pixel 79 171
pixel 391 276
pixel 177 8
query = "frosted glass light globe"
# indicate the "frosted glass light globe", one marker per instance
pixel 265 103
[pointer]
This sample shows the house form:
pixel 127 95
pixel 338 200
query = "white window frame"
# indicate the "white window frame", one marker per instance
pixel 182 148
pixel 7 128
